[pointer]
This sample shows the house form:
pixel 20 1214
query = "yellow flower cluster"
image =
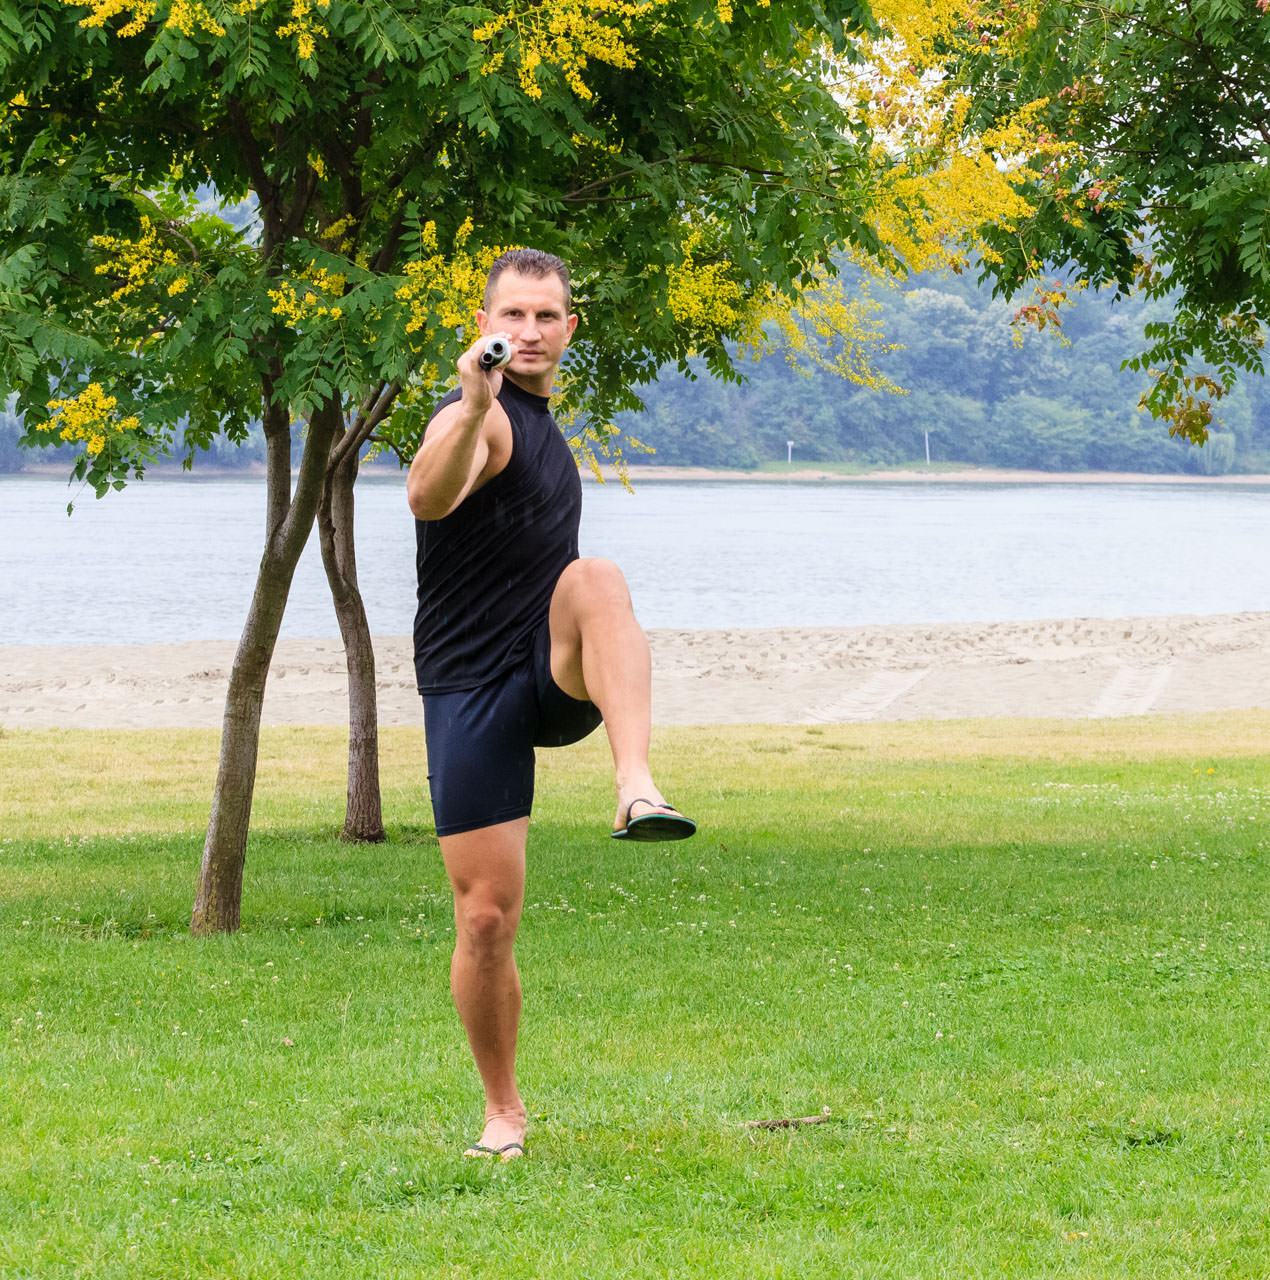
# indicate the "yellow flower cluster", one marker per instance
pixel 823 328
pixel 16 103
pixel 592 443
pixel 89 417
pixel 336 234
pixel 305 26
pixel 568 34
pixel 191 16
pixel 341 226
pixel 929 216
pixel 939 184
pixel 703 296
pixel 187 16
pixel 591 446
pixel 921 22
pixel 139 13
pixel 597 146
pixel 135 260
pixel 322 289
pixel 826 329
pixel 442 291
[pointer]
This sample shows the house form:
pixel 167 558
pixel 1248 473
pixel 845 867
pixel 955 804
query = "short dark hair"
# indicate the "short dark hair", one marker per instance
pixel 528 262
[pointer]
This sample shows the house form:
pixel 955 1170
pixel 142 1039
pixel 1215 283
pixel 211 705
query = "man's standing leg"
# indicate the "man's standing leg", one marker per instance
pixel 599 652
pixel 487 872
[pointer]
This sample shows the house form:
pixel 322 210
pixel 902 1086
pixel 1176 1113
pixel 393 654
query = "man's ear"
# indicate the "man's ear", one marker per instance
pixel 482 322
pixel 570 325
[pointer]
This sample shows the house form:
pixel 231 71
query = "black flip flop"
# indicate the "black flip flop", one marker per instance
pixel 651 827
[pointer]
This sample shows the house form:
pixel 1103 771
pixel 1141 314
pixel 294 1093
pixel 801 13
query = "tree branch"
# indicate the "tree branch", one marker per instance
pixel 293 220
pixel 772 177
pixel 265 188
pixel 350 181
pixel 392 241
pixel 419 154
pixel 276 420
pixel 372 411
pixel 345 160
pixel 364 117
pixel 400 454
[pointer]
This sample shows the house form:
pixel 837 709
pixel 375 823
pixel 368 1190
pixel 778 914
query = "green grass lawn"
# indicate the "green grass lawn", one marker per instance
pixel 1024 967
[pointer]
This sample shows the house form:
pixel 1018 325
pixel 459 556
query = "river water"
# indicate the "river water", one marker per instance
pixel 174 558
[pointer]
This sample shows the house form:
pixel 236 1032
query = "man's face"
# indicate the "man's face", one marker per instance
pixel 532 311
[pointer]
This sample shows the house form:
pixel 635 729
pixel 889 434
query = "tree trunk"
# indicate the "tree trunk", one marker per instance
pixel 363 815
pixel 218 901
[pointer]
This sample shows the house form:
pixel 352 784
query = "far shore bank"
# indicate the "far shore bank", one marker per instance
pixel 644 473
pixel 965 475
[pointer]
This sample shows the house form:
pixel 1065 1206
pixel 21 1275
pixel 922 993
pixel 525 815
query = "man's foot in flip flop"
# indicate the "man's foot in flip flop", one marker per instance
pixel 651 820
pixel 508 1151
pixel 503 1139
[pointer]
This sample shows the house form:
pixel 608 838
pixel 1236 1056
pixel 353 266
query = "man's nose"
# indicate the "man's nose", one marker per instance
pixel 529 330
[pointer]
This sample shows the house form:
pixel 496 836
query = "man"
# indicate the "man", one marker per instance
pixel 518 643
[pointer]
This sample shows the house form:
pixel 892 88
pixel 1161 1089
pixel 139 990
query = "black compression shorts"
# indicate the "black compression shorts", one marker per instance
pixel 481 741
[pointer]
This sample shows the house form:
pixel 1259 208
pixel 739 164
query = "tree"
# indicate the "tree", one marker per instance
pixel 1151 173
pixel 698 162
pixel 689 158
pixel 984 398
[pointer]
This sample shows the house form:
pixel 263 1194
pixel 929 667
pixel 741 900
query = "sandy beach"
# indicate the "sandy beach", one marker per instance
pixel 1073 668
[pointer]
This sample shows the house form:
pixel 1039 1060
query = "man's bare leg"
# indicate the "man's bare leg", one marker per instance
pixel 600 653
pixel 487 872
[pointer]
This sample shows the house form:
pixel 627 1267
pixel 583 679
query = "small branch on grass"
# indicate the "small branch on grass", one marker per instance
pixel 788 1122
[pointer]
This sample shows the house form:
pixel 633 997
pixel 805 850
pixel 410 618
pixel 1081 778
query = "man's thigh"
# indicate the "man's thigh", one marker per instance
pixel 588 593
pixel 480 753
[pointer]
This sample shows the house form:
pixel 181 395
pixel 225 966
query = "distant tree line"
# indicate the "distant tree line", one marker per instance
pixel 1049 404
pixel 983 399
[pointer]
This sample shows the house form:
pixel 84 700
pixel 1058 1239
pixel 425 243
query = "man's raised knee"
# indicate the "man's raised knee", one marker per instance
pixel 595 582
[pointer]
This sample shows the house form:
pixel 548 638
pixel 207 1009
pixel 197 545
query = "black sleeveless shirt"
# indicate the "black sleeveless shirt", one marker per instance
pixel 488 569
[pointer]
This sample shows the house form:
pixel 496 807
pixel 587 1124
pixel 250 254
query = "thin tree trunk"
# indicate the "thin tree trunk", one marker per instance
pixel 218 900
pixel 363 815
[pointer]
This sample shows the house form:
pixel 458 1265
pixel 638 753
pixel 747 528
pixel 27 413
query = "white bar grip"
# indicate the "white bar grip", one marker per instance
pixel 498 351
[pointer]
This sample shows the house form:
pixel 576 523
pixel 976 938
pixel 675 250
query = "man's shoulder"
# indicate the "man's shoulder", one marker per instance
pixel 496 432
pixel 450 397
pixel 495 416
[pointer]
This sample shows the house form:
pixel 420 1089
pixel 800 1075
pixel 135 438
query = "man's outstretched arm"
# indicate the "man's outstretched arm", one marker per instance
pixel 467 443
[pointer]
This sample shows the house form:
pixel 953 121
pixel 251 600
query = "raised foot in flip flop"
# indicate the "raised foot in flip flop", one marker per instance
pixel 652 820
